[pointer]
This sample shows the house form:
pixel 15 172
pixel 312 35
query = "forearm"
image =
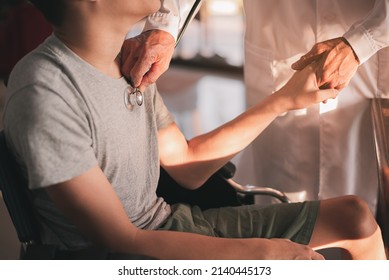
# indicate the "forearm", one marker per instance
pixel 235 135
pixel 181 245
pixel 192 163
pixel 207 153
pixel 99 215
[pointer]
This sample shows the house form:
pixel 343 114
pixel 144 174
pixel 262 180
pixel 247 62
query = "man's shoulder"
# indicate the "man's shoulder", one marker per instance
pixel 39 66
pixel 38 85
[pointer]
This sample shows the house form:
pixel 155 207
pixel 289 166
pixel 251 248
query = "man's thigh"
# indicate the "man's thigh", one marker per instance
pixel 294 221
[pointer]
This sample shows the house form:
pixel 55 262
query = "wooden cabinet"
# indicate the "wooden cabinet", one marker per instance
pixel 380 117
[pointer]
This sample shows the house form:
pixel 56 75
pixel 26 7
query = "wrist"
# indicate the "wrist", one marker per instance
pixel 344 40
pixel 167 22
pixel 280 102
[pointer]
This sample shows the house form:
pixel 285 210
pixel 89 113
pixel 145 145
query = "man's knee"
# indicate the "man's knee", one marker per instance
pixel 358 221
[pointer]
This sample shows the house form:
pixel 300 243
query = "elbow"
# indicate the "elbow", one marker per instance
pixel 193 184
pixel 187 179
pixel 190 182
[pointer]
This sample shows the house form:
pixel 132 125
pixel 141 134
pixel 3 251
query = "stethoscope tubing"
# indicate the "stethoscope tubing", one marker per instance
pixel 188 19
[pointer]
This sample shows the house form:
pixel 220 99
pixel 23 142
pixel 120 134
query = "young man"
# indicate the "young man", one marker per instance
pixel 91 153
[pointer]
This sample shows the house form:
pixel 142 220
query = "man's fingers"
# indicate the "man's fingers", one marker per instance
pixel 317 256
pixel 323 95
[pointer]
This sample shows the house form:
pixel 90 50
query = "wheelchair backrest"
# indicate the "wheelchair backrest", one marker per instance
pixel 15 195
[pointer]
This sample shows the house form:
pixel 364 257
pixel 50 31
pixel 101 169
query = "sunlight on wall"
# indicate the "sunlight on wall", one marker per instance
pixel 224 7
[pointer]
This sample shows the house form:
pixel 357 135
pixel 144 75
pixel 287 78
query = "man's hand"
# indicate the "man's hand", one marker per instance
pixel 336 63
pixel 284 249
pixel 146 57
pixel 302 90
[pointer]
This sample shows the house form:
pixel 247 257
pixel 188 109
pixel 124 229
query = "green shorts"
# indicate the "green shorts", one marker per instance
pixel 294 221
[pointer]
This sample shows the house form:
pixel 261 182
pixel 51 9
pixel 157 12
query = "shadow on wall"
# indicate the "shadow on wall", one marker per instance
pixel 9 243
pixel 2 100
pixel 22 28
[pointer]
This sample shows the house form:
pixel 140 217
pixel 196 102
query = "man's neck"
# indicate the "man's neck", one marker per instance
pixel 97 47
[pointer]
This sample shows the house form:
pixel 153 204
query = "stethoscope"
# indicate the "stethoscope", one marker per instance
pixel 133 96
pixel 189 18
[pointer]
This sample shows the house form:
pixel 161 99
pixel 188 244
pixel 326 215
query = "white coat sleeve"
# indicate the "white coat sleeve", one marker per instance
pixel 170 17
pixel 370 34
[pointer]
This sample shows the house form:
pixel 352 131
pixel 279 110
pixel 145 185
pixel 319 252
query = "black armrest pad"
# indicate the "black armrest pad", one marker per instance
pixel 228 170
pixel 216 192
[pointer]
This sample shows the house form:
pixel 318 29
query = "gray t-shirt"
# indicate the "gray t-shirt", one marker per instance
pixel 63 117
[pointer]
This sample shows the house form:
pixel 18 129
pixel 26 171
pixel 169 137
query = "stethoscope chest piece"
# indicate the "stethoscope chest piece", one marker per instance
pixel 132 97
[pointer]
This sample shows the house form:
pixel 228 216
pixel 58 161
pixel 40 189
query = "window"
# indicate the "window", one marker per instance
pixel 215 38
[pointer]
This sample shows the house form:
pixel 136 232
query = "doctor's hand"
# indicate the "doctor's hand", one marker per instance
pixel 336 63
pixel 146 57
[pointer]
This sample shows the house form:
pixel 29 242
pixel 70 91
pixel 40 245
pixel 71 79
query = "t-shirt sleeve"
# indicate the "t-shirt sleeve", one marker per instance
pixel 163 115
pixel 51 140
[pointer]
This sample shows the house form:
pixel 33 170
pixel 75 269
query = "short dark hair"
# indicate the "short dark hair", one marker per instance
pixel 53 10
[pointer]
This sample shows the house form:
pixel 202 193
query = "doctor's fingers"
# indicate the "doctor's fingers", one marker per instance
pixel 130 54
pixel 153 58
pixel 148 68
pixel 153 61
pixel 139 69
pixel 336 68
pixel 151 76
pixel 339 85
pixel 336 73
pixel 315 54
pixel 304 61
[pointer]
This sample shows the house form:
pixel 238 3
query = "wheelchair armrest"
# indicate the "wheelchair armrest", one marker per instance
pixel 227 171
pixel 256 190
